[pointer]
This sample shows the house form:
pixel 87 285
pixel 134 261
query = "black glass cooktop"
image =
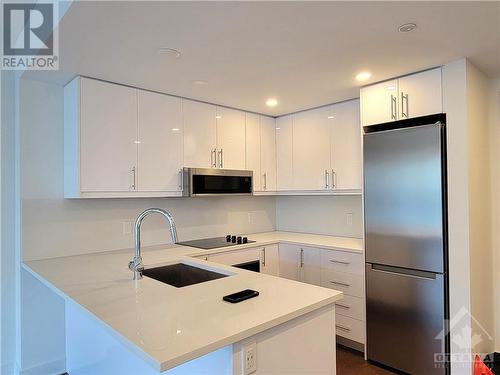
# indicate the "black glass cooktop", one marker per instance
pixel 211 243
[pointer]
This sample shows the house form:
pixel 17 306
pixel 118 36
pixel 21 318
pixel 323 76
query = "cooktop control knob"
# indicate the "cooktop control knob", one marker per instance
pixel 233 239
pixel 228 238
pixel 245 240
pixel 239 239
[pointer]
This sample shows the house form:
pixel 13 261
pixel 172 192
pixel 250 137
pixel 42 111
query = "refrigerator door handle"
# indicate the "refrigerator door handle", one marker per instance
pixel 404 272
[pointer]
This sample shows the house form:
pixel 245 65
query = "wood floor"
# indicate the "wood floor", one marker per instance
pixel 351 362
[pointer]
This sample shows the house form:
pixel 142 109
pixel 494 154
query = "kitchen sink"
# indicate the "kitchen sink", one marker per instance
pixel 181 274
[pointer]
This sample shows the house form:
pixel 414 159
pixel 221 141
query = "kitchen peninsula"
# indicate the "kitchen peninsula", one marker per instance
pixel 117 325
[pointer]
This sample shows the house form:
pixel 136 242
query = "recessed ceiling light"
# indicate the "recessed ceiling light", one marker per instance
pixel 218 117
pixel 169 51
pixel 175 129
pixel 271 102
pixel 278 128
pixel 363 76
pixel 407 27
pixel 137 142
pixel 330 117
pixel 200 82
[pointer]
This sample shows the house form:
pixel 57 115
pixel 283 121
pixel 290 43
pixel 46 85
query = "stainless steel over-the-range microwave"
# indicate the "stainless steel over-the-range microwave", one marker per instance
pixel 202 182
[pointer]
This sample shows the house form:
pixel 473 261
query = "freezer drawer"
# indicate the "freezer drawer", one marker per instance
pixel 403 172
pixel 404 314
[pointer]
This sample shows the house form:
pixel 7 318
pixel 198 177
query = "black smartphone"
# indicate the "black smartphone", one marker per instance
pixel 240 296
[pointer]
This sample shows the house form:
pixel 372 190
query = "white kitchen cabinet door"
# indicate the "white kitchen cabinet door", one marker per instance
pixel 200 136
pixel 289 261
pixel 253 149
pixel 284 153
pixel 269 261
pixel 268 153
pixel 108 135
pixel 160 156
pixel 420 94
pixel 379 103
pixel 230 138
pixel 311 150
pixel 346 146
pixel 310 265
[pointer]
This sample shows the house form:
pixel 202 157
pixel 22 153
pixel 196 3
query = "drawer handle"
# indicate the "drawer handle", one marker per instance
pixel 339 261
pixel 342 305
pixel 347 329
pixel 340 283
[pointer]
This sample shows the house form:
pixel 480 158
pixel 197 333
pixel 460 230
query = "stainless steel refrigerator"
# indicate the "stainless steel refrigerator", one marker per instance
pixel 406 244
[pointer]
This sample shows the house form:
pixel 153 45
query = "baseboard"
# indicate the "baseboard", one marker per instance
pixel 350 344
pixel 493 362
pixel 56 367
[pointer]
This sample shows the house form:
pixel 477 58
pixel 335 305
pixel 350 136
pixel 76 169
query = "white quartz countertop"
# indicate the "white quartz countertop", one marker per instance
pixel 168 326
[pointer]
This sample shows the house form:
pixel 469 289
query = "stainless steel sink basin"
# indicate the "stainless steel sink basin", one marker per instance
pixel 181 274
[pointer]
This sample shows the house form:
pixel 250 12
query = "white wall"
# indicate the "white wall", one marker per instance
pixel 320 215
pixel 495 199
pixel 8 280
pixel 53 226
pixel 480 237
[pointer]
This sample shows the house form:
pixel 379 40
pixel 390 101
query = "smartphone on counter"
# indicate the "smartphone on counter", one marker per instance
pixel 240 296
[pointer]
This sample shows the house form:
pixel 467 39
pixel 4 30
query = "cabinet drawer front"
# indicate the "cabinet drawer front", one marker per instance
pixel 352 307
pixel 343 261
pixel 350 328
pixel 348 283
pixel 236 257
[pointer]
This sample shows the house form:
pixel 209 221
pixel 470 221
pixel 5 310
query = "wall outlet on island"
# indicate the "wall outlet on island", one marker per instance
pixel 250 358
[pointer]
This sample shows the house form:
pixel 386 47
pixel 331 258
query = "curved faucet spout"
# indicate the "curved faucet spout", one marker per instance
pixel 136 264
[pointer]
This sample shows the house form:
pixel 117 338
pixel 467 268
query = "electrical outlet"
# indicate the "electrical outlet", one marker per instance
pixel 127 227
pixel 348 217
pixel 250 216
pixel 250 358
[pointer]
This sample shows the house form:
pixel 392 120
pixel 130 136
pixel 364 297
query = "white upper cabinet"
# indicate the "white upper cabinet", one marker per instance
pixel 253 148
pixel 200 134
pixel 414 95
pixel 311 150
pixel 346 146
pixel 160 155
pixel 420 94
pixel 230 138
pixel 379 103
pixel 284 153
pixel 268 153
pixel 108 134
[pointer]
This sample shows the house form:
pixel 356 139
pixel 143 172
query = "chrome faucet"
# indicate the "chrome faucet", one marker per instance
pixel 136 264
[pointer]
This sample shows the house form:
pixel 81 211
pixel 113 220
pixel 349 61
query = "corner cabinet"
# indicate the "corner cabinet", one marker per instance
pixel 319 151
pixel 410 96
pixel 261 152
pixel 119 142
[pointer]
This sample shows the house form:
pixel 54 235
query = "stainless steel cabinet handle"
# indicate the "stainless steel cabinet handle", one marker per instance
pixel 265 181
pixel 403 98
pixel 181 179
pixel 301 258
pixel 133 171
pixel 394 107
pixel 343 306
pixel 213 158
pixel 221 160
pixel 339 261
pixel 340 283
pixel 263 257
pixel 334 179
pixel 347 329
pixel 327 179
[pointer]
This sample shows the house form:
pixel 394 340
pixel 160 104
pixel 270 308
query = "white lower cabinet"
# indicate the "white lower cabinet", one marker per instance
pixel 270 260
pixel 334 269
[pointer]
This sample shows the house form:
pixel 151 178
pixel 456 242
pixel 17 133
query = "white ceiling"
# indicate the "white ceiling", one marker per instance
pixel 305 54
